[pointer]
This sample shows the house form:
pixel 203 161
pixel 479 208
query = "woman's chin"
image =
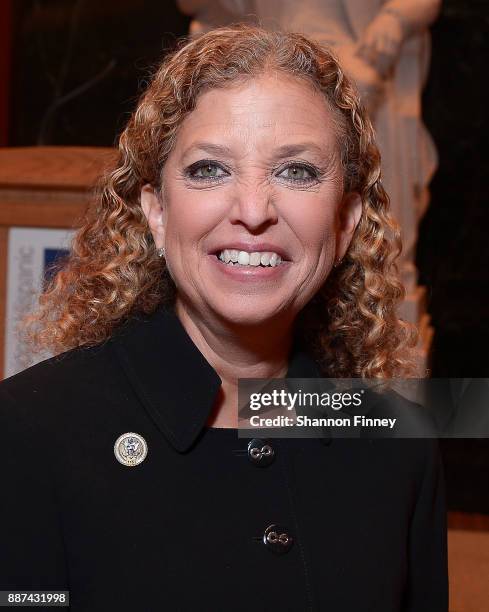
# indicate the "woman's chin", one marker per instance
pixel 248 315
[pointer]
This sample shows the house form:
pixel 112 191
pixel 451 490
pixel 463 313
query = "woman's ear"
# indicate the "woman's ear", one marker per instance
pixel 349 215
pixel 154 212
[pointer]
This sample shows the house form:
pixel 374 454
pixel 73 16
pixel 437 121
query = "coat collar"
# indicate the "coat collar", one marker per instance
pixel 171 377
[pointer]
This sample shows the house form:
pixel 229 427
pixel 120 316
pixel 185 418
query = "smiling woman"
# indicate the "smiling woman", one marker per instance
pixel 249 164
pixel 257 137
pixel 274 189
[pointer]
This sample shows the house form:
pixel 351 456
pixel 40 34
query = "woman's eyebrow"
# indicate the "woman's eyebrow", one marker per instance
pixel 208 147
pixel 287 150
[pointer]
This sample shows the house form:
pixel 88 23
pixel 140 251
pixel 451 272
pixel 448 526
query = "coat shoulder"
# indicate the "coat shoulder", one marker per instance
pixel 57 387
pixel 61 369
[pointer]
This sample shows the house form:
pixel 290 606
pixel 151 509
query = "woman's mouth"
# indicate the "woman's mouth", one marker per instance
pixel 264 259
pixel 249 265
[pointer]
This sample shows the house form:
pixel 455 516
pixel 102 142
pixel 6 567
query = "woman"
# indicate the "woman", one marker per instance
pixel 244 233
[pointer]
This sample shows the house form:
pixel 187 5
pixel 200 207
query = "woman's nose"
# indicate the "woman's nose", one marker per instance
pixel 253 206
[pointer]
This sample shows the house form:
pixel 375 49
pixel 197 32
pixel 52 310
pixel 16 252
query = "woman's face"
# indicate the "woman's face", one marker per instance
pixel 254 176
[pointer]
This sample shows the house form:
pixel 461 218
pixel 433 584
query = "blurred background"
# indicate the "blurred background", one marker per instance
pixel 71 72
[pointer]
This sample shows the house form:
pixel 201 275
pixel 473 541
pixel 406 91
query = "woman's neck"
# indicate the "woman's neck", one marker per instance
pixel 260 351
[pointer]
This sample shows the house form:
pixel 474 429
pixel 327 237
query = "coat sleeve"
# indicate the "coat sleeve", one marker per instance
pixel 428 563
pixel 31 544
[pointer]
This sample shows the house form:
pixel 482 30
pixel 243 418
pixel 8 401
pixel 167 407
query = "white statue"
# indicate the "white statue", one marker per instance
pixel 384 46
pixel 209 14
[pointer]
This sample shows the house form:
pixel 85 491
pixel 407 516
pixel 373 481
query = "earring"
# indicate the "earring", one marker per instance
pixel 160 252
pixel 337 263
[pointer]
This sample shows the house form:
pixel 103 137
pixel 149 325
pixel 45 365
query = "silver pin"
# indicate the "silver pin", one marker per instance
pixel 130 449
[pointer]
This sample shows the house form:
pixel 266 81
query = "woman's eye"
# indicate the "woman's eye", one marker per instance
pixel 207 171
pixel 298 173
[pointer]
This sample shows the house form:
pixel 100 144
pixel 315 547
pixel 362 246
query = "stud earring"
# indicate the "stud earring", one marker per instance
pixel 160 252
pixel 337 263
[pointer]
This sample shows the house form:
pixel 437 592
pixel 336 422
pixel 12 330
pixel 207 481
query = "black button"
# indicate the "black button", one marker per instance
pixel 277 540
pixel 260 452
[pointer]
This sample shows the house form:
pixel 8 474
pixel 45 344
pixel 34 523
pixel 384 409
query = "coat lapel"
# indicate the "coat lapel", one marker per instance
pixel 171 377
pixel 173 381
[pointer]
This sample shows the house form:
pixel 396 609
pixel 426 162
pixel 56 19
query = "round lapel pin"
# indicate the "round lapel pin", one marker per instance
pixel 130 449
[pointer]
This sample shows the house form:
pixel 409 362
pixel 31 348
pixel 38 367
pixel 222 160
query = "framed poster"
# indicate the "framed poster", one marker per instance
pixel 32 253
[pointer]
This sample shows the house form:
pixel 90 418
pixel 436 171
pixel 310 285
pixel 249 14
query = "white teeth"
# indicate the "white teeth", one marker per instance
pixel 265 259
pixel 233 256
pixel 255 259
pixel 243 258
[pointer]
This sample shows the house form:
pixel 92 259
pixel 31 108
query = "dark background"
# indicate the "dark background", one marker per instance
pixel 453 246
pixel 77 67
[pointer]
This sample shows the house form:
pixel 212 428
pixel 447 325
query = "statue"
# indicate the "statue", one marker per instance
pixel 384 47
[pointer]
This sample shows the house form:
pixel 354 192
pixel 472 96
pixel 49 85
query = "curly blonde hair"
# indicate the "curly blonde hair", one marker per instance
pixel 113 271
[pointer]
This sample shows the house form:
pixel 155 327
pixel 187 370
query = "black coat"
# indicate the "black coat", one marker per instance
pixel 364 520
